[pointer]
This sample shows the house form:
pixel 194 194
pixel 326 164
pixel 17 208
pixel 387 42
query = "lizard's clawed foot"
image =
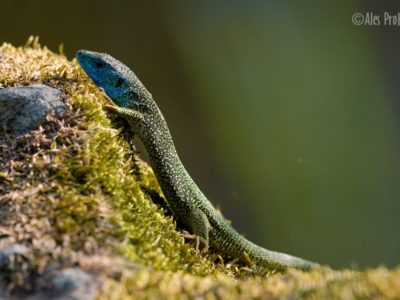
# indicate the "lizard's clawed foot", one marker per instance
pixel 110 108
pixel 200 243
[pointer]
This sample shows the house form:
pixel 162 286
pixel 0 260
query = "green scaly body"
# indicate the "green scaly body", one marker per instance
pixel 188 204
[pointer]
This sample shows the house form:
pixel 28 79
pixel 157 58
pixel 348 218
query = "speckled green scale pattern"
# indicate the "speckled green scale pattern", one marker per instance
pixel 189 206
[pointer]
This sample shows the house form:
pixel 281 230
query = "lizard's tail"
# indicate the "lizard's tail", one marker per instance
pixel 276 260
pixel 252 253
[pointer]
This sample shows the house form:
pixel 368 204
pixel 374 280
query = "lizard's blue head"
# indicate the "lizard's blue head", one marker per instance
pixel 115 78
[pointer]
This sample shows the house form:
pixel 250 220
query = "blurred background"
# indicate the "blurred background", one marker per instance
pixel 287 115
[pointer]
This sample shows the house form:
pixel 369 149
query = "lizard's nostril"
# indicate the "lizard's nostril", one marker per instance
pixel 80 54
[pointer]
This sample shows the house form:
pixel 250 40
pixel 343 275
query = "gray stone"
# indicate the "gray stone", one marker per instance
pixel 24 108
pixel 8 251
pixel 74 283
pixel 65 284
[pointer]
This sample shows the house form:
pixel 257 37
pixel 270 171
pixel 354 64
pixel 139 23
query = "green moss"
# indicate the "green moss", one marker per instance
pixel 91 182
pixel 75 192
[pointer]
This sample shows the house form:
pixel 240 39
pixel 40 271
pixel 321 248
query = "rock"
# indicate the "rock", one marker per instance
pixel 74 283
pixel 9 254
pixel 65 284
pixel 24 108
pixel 9 251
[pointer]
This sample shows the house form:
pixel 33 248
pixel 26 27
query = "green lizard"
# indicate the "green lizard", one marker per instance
pixel 190 207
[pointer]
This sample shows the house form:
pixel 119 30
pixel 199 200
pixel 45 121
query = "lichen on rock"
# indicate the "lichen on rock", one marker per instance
pixel 74 195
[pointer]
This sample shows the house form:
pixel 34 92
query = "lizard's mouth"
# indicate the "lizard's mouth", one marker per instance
pixel 84 58
pixel 93 66
pixel 100 71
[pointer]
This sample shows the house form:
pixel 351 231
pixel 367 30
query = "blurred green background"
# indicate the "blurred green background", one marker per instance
pixel 286 114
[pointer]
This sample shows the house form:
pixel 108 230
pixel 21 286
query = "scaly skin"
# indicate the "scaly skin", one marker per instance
pixel 188 204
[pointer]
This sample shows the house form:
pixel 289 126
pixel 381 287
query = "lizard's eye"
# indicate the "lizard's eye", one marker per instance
pixel 99 64
pixel 118 82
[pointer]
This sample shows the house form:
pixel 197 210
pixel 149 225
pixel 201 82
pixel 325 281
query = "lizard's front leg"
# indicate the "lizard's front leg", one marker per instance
pixel 132 116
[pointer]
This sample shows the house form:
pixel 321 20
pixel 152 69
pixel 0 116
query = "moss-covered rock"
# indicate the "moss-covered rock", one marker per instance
pixel 74 194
